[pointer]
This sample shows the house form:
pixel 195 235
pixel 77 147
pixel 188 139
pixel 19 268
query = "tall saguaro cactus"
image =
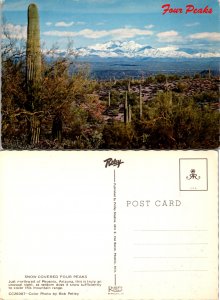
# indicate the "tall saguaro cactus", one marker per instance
pixel 33 70
pixel 109 98
pixel 126 108
pixel 129 113
pixel 140 101
pixel 33 54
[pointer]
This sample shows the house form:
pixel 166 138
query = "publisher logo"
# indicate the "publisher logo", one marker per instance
pixel 117 289
pixel 113 162
pixel 193 174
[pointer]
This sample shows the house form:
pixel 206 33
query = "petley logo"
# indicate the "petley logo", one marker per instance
pixel 113 162
pixel 115 289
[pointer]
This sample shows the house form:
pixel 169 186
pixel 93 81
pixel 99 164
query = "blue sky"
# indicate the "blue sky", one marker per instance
pixel 87 22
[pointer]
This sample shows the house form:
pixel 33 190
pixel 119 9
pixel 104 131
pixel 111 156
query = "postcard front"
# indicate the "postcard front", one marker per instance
pixel 110 74
pixel 109 225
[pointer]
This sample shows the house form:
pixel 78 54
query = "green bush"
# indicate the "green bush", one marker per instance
pixel 160 78
pixel 176 122
pixel 118 136
pixel 209 96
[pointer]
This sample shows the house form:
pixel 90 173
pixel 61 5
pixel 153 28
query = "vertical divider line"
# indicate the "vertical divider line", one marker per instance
pixel 218 174
pixel 115 228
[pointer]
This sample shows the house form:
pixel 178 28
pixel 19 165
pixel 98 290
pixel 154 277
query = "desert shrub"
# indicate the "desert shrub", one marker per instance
pixel 196 76
pixel 148 80
pixel 116 97
pixel 181 87
pixel 118 136
pixel 160 78
pixel 133 99
pixel 173 77
pixel 73 98
pixel 206 96
pixel 14 98
pixel 176 122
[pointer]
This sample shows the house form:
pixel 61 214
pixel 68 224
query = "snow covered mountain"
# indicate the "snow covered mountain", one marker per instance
pixel 131 49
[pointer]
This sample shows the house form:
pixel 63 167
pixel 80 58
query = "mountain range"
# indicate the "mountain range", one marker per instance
pixel 121 59
pixel 131 49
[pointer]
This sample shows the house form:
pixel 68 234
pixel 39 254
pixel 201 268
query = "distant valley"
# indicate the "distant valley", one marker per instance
pixel 117 68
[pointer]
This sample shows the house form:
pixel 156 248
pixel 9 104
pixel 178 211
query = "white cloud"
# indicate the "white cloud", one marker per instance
pixel 119 33
pixel 49 23
pixel 151 25
pixel 165 34
pixel 168 36
pixel 59 33
pixel 193 24
pixel 14 31
pixel 64 24
pixel 209 36
pixel 93 34
pixel 88 33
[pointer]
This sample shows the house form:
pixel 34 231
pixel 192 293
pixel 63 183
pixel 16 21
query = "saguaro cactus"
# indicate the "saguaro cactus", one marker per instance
pixel 209 73
pixel 33 54
pixel 126 108
pixel 33 70
pixel 129 113
pixel 109 98
pixel 140 101
pixel 129 85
